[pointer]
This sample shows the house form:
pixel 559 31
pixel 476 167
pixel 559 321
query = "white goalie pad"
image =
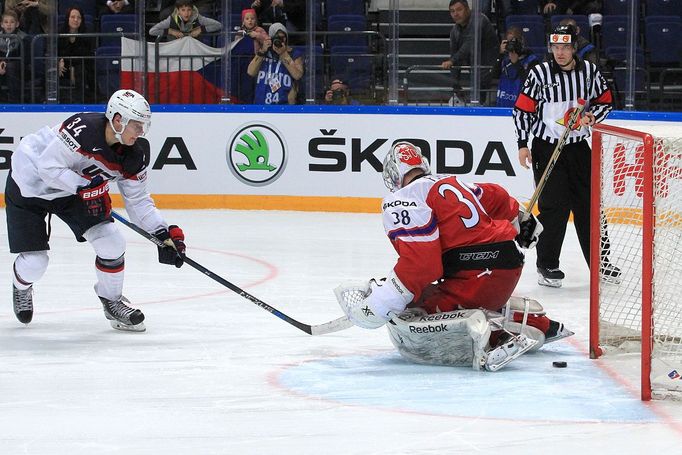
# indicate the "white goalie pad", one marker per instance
pixel 455 338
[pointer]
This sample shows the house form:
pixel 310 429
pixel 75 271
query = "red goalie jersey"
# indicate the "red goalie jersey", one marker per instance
pixel 460 234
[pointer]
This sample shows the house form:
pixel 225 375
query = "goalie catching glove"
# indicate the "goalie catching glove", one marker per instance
pixel 529 231
pixel 173 251
pixel 371 304
pixel 95 197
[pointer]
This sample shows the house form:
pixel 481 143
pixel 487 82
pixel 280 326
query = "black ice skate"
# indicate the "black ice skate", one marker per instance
pixel 609 273
pixel 23 304
pixel 557 331
pixel 121 316
pixel 550 277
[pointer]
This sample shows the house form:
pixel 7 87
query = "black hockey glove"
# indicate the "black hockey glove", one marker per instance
pixel 173 252
pixel 529 232
pixel 95 197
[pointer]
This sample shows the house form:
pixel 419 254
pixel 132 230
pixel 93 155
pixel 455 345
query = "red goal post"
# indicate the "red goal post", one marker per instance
pixel 636 225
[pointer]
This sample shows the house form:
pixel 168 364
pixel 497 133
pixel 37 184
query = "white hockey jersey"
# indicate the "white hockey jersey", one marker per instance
pixel 54 162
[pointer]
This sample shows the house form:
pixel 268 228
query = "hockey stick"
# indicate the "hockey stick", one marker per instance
pixel 572 119
pixel 319 329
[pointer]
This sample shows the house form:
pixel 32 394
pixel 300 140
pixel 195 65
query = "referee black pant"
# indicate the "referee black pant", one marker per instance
pixel 567 190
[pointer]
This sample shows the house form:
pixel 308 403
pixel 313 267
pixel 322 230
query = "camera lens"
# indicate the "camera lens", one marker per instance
pixel 277 42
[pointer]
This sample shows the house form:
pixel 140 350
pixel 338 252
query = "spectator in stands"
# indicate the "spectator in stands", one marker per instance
pixel 551 7
pixel 586 50
pixel 33 14
pixel 585 7
pixel 116 7
pixel 76 74
pixel 462 38
pixel 185 21
pixel 339 94
pixel 291 13
pixel 512 66
pixel 251 29
pixel 270 11
pixel 277 68
pixel 11 41
pixel 205 7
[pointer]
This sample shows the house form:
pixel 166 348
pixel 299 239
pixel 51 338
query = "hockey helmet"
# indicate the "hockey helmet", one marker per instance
pixel 563 34
pixel 402 158
pixel 131 106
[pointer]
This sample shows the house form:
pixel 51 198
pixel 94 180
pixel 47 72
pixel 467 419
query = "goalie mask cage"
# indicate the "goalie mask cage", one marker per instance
pixel 636 220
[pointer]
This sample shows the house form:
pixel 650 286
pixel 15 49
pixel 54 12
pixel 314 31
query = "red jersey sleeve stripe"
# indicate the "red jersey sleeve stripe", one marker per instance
pixel 604 98
pixel 526 103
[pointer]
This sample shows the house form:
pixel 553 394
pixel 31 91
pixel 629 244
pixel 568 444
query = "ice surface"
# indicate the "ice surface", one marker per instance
pixel 214 373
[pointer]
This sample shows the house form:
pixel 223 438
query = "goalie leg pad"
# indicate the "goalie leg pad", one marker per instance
pixel 455 338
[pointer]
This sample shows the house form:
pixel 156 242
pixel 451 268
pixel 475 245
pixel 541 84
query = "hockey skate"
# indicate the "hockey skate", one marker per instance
pixel 121 316
pixel 550 277
pixel 556 332
pixel 23 304
pixel 511 349
pixel 609 273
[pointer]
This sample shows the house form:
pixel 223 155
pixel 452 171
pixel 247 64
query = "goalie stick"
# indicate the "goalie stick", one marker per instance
pixel 572 119
pixel 318 329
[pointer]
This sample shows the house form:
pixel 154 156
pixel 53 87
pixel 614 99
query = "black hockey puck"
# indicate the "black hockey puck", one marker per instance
pixel 559 364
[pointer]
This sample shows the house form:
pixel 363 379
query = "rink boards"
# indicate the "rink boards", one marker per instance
pixel 306 157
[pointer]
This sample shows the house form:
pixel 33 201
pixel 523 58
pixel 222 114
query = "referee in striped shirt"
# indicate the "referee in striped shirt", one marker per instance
pixel 549 95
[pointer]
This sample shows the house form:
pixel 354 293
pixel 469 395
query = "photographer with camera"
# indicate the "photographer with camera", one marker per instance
pixel 339 94
pixel 512 66
pixel 277 68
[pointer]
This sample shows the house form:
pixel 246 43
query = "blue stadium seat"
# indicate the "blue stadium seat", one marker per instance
pixel 524 6
pixel 581 20
pixel 615 7
pixel 335 7
pixel 620 54
pixel 533 27
pixel 614 32
pixel 663 42
pixel 353 64
pixel 107 69
pixel 319 71
pixel 116 23
pixel 346 23
pixel 663 7
pixel 659 19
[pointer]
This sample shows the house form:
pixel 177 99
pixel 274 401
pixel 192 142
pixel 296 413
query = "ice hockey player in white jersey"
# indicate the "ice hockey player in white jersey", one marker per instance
pixel 65 171
pixel 449 296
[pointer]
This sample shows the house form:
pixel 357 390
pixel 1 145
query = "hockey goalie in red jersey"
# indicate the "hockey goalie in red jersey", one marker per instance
pixel 449 296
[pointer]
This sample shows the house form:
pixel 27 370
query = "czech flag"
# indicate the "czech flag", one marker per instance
pixel 187 71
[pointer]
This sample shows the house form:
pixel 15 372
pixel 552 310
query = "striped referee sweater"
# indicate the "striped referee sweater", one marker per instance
pixel 549 95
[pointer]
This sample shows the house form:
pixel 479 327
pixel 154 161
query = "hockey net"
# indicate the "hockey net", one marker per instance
pixel 637 229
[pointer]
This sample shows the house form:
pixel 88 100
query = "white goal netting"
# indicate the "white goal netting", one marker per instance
pixel 624 238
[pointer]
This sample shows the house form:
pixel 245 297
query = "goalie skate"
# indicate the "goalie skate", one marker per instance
pixel 508 351
pixel 557 331
pixel 121 316
pixel 23 304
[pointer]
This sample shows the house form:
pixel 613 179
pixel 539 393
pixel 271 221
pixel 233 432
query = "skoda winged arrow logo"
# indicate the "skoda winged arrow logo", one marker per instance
pixel 257 154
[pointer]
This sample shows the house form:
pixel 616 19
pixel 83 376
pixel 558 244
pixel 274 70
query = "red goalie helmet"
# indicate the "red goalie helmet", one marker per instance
pixel 402 158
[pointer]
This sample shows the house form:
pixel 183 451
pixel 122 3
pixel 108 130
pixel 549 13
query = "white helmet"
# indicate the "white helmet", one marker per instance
pixel 131 106
pixel 402 158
